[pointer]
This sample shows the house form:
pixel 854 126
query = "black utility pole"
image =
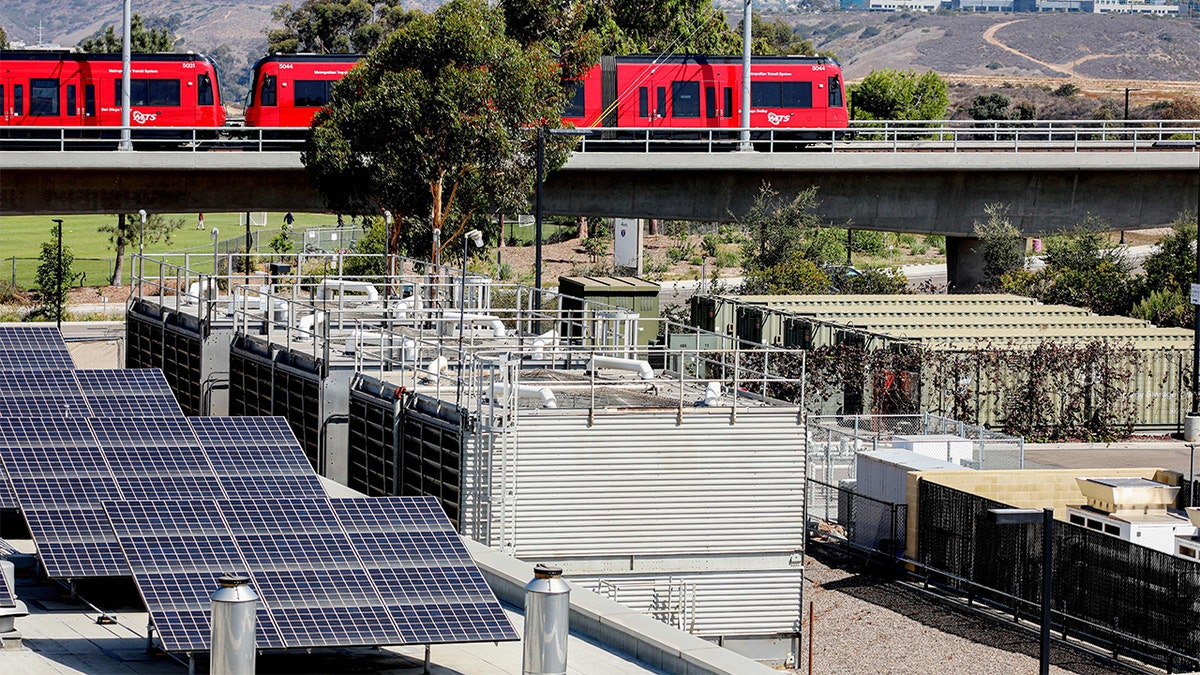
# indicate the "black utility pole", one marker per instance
pixel 58 280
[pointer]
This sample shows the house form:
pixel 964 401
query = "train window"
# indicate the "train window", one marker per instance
pixel 43 97
pixel 3 110
pixel 18 100
pixel 835 92
pixel 728 102
pixel 764 94
pixel 204 90
pixel 266 92
pixel 576 102
pixel 643 102
pixel 71 106
pixel 145 92
pixel 89 100
pixel 781 94
pixel 661 111
pixel 685 99
pixel 797 94
pixel 710 101
pixel 311 93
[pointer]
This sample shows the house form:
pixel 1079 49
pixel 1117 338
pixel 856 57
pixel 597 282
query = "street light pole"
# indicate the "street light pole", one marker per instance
pixel 141 246
pixel 470 237
pixel 542 132
pixel 126 143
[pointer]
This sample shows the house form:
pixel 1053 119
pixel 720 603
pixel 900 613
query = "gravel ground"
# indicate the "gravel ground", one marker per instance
pixel 864 624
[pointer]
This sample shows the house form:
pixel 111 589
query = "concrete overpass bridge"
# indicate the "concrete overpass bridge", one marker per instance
pixel 922 181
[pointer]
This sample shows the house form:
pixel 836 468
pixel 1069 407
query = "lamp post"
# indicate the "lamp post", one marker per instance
pixel 470 237
pixel 126 143
pixel 1030 517
pixel 58 279
pixel 212 286
pixel 542 131
pixel 141 246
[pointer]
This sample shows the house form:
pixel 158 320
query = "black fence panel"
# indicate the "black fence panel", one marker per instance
pixel 1134 599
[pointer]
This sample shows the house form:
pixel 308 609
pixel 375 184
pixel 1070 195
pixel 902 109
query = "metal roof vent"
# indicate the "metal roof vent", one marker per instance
pixel 1127 496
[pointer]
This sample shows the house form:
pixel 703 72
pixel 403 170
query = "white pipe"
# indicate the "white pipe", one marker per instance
pixel 495 322
pixel 641 367
pixel 539 347
pixel 712 394
pixel 437 366
pixel 501 389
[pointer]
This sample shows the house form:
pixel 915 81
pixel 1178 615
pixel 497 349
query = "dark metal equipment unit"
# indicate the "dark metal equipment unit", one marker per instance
pixel 187 350
pixel 404 444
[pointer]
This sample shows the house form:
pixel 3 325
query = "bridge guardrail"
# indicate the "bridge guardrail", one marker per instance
pixel 861 136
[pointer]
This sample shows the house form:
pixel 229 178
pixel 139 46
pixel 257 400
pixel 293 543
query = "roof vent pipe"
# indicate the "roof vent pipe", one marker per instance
pixel 233 614
pixel 712 394
pixel 501 389
pixel 641 367
pixel 9 615
pixel 547 610
pixel 437 366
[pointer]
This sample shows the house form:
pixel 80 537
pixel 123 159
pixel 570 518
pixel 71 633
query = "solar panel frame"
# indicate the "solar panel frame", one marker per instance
pixel 140 381
pixel 37 359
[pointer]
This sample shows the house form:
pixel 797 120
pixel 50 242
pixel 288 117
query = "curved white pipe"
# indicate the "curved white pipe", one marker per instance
pixel 641 367
pixel 437 366
pixel 495 322
pixel 539 347
pixel 501 389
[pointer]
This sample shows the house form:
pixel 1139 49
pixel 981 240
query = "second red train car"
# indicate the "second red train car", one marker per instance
pixel 286 90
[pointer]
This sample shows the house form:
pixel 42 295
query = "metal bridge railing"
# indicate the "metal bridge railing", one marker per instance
pixel 861 136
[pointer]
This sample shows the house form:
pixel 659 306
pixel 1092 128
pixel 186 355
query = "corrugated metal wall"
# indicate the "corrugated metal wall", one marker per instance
pixel 635 483
pixel 715 604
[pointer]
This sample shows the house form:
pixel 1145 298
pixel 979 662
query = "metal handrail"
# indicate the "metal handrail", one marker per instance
pixel 861 136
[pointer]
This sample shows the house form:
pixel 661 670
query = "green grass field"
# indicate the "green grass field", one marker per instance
pixel 21 239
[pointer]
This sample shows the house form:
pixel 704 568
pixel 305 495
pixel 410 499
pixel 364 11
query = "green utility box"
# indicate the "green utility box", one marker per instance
pixel 628 293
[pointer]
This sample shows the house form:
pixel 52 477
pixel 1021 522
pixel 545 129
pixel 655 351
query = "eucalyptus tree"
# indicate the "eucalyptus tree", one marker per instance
pixel 438 127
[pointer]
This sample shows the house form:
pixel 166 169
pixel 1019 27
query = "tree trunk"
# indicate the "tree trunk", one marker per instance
pixel 653 228
pixel 582 225
pixel 119 265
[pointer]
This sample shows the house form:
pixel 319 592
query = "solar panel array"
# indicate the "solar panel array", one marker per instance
pixel 63 470
pixel 343 572
pixel 113 480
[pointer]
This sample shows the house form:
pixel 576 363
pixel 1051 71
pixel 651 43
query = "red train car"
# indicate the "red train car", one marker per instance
pixel 786 92
pixel 65 89
pixel 286 90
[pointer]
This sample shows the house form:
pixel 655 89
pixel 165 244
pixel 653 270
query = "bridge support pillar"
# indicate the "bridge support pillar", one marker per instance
pixel 964 264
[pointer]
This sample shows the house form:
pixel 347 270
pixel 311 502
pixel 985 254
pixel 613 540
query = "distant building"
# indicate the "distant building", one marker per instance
pixel 1125 7
pixel 904 5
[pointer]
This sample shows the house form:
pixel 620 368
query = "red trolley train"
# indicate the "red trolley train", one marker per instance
pixel 64 89
pixel 286 90
pixel 787 92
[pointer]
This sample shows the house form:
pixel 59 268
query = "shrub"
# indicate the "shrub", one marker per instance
pixel 869 32
pixel 1067 90
pixel 727 258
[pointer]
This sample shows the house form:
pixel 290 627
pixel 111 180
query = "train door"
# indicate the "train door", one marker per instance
pixel 718 101
pixel 74 100
pixel 651 105
pixel 16 101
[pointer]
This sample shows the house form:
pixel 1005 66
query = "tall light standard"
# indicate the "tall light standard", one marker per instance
pixel 126 144
pixel 1031 517
pixel 212 286
pixel 141 246
pixel 537 213
pixel 744 119
pixel 470 237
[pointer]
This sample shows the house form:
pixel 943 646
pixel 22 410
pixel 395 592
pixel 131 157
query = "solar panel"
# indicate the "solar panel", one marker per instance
pixel 50 383
pixel 149 432
pixel 257 457
pixel 176 560
pixel 37 359
pixel 433 590
pixel 143 381
pixel 30 337
pixel 126 405
pixel 34 432
pixel 37 405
